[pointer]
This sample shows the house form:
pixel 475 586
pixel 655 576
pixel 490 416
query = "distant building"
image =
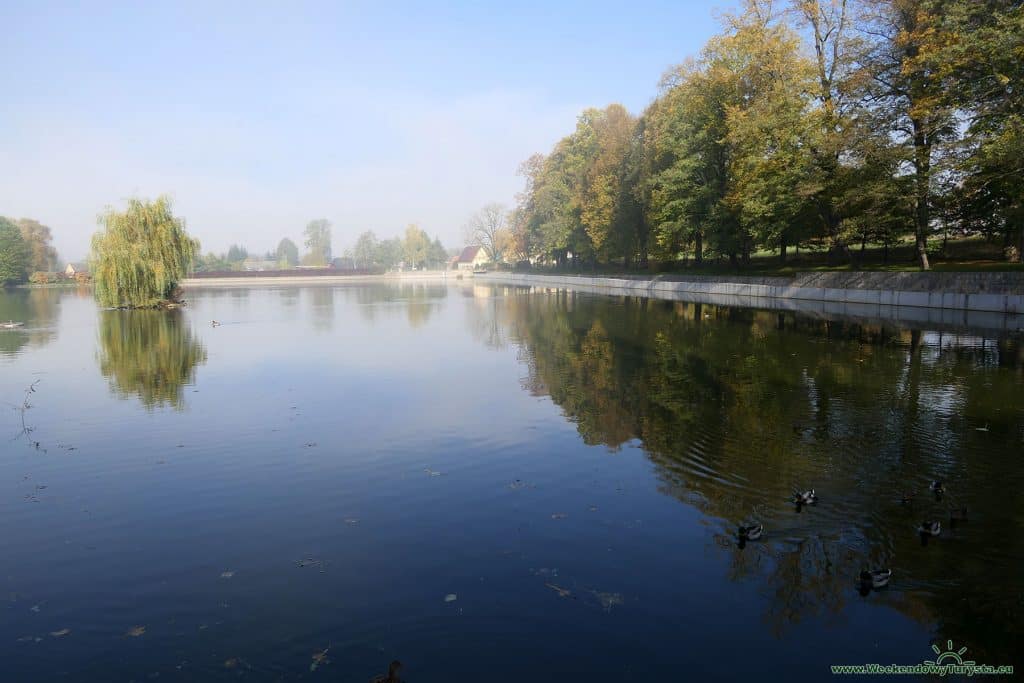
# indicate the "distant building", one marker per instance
pixel 252 263
pixel 76 270
pixel 472 257
pixel 453 262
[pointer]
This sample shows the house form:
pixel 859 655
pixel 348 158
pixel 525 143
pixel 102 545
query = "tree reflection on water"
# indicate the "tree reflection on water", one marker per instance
pixel 737 407
pixel 149 355
pixel 37 308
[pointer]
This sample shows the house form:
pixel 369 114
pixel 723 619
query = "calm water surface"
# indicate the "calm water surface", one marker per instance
pixel 495 485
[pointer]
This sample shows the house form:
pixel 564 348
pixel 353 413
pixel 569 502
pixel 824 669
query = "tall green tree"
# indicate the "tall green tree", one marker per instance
pixel 365 252
pixel 38 237
pixel 15 255
pixel 908 96
pixel 415 246
pixel 287 253
pixel 318 243
pixel 236 255
pixel 768 129
pixel 605 140
pixel 983 58
pixel 390 253
pixel 141 254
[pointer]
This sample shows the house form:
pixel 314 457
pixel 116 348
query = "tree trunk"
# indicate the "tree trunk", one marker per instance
pixel 782 248
pixel 922 177
pixel 698 248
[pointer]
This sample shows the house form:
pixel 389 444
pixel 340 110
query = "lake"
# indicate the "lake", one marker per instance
pixel 496 484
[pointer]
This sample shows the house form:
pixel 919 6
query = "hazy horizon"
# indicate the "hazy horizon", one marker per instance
pixel 256 120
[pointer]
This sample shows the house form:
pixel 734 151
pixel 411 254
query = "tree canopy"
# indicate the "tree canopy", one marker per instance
pixel 318 243
pixel 15 256
pixel 42 255
pixel 141 254
pixel 287 253
pixel 824 122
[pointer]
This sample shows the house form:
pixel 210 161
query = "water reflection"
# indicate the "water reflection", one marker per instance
pixel 37 308
pixel 418 300
pixel 149 355
pixel 738 407
pixel 321 301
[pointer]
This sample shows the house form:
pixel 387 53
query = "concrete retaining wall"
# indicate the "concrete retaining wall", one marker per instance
pixel 1005 298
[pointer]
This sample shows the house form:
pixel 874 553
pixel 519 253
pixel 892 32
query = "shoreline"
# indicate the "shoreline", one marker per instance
pixel 853 304
pixel 303 280
pixel 983 292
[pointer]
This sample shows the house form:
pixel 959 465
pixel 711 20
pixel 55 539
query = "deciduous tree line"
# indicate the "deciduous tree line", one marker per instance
pixel 24 249
pixel 825 121
pixel 414 248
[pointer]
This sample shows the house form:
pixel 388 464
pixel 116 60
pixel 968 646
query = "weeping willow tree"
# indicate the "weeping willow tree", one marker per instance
pixel 141 254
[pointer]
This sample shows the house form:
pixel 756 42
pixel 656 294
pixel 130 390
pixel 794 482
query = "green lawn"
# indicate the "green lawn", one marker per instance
pixel 971 254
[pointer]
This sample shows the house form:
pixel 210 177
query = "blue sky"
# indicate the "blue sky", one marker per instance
pixel 259 117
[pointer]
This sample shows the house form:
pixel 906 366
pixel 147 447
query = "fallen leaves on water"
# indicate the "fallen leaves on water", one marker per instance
pixel 559 515
pixel 61 633
pixel 135 631
pixel 451 597
pixel 351 521
pixel 562 592
pixel 520 484
pixel 608 600
pixel 311 444
pixel 544 571
pixel 312 562
pixel 432 473
pixel 227 574
pixel 319 659
pixel 231 663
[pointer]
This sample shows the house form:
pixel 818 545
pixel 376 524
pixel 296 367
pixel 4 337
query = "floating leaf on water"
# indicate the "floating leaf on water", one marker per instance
pixel 311 444
pixel 231 663
pixel 592 508
pixel 135 631
pixel 559 515
pixel 562 592
pixel 451 597
pixel 227 574
pixel 61 633
pixel 432 472
pixel 35 608
pixel 319 659
pixel 544 571
pixel 351 521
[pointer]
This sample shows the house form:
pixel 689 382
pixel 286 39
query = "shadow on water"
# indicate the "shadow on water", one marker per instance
pixel 148 355
pixel 37 309
pixel 739 407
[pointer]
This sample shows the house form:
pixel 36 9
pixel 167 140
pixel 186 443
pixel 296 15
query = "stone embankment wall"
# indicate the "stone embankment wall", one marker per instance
pixel 991 292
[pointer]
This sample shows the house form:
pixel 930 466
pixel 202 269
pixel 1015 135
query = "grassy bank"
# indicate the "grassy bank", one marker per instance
pixel 972 254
